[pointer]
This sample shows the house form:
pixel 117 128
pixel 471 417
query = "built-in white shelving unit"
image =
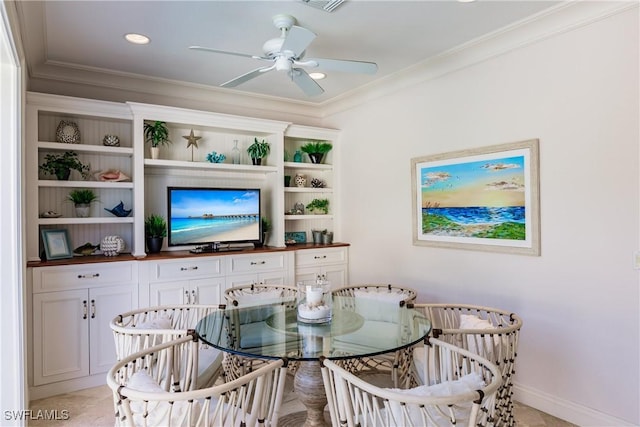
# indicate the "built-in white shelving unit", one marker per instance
pixel 145 192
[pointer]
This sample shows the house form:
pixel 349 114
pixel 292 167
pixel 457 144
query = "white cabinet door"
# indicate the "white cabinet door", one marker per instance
pixel 169 293
pixel 104 304
pixel 336 274
pixel 60 336
pixel 207 291
pixel 266 278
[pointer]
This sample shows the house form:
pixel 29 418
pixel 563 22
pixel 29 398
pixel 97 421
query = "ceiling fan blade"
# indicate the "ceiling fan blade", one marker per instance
pixel 360 67
pixel 245 77
pixel 297 40
pixel 245 55
pixel 306 83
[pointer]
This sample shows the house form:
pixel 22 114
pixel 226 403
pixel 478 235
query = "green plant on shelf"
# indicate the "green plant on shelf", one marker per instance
pixel 82 196
pixel 317 147
pixel 319 205
pixel 155 226
pixel 259 149
pixel 156 133
pixel 61 165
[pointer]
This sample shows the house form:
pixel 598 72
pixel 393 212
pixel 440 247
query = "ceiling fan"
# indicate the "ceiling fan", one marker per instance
pixel 286 54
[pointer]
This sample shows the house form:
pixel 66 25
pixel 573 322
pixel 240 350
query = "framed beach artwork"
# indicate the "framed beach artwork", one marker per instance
pixel 480 199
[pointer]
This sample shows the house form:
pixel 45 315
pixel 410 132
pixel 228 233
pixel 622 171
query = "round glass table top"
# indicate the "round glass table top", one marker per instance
pixel 359 327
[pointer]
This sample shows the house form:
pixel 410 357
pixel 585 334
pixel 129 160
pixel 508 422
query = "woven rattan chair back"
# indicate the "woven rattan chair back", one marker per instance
pixel 382 362
pixel 464 394
pixel 496 339
pixel 142 328
pixel 248 295
pixel 147 391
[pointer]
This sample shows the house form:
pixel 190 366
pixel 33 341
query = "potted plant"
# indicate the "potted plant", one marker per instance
pixel 82 199
pixel 156 133
pixel 319 206
pixel 258 150
pixel 316 150
pixel 61 165
pixel 266 228
pixel 155 229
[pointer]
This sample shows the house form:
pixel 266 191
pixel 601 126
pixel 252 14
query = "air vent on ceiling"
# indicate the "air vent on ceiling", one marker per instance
pixel 326 5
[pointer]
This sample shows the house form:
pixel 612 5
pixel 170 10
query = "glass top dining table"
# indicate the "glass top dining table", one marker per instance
pixel 359 327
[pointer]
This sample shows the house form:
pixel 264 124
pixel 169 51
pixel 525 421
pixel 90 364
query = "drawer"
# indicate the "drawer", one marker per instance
pixel 257 263
pixel 313 257
pixel 186 268
pixel 84 275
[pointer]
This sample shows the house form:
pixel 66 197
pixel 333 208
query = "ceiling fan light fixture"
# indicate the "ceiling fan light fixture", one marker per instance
pixel 317 76
pixel 137 38
pixel 283 63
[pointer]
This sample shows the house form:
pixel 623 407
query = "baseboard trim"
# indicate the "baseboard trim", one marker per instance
pixel 68 386
pixel 566 410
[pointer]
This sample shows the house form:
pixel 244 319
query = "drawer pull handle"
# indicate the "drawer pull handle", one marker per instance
pixel 84 309
pixel 188 268
pixel 194 299
pixel 93 309
pixel 320 257
pixel 187 299
pixel 258 262
pixel 88 276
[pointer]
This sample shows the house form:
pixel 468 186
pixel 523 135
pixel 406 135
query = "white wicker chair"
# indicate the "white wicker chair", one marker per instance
pixel 489 332
pixel 380 323
pixel 147 388
pixel 139 329
pixel 464 393
pixel 247 296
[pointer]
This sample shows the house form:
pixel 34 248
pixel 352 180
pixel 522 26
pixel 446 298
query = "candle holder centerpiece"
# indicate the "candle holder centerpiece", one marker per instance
pixel 314 301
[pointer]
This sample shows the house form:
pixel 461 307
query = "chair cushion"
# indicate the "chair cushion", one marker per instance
pixel 371 311
pixel 491 340
pixel 159 413
pixel 209 364
pixel 465 384
pixel 157 323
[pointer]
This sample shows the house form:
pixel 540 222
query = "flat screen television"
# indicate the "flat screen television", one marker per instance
pixel 206 217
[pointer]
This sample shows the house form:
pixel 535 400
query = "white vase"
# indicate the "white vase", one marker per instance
pixel 155 153
pixel 82 210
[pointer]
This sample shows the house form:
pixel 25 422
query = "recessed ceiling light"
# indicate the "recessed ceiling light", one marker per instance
pixel 137 38
pixel 317 76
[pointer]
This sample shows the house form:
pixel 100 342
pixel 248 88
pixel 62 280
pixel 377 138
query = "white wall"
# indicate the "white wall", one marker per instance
pixel 578 93
pixel 13 392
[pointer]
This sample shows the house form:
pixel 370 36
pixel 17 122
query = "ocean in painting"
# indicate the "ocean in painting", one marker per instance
pixel 190 230
pixel 506 223
pixel 480 214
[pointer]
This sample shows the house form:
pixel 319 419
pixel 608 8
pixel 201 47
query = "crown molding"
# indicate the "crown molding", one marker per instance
pixel 548 23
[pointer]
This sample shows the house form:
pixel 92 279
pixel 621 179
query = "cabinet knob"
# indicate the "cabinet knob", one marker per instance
pixel 88 276
pixel 188 268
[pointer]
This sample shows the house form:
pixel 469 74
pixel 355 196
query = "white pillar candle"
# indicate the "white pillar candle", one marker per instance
pixel 314 295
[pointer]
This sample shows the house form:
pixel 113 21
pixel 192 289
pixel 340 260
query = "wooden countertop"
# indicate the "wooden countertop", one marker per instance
pixel 177 254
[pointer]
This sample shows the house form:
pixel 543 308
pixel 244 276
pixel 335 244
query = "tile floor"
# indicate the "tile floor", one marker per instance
pixel 94 407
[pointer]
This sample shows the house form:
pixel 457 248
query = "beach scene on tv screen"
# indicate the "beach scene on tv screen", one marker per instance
pixel 205 216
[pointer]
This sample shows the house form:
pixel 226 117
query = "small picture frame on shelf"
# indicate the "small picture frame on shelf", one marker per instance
pixel 295 236
pixel 56 244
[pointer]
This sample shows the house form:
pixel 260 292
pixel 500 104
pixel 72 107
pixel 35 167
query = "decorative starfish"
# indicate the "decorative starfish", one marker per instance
pixel 193 142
